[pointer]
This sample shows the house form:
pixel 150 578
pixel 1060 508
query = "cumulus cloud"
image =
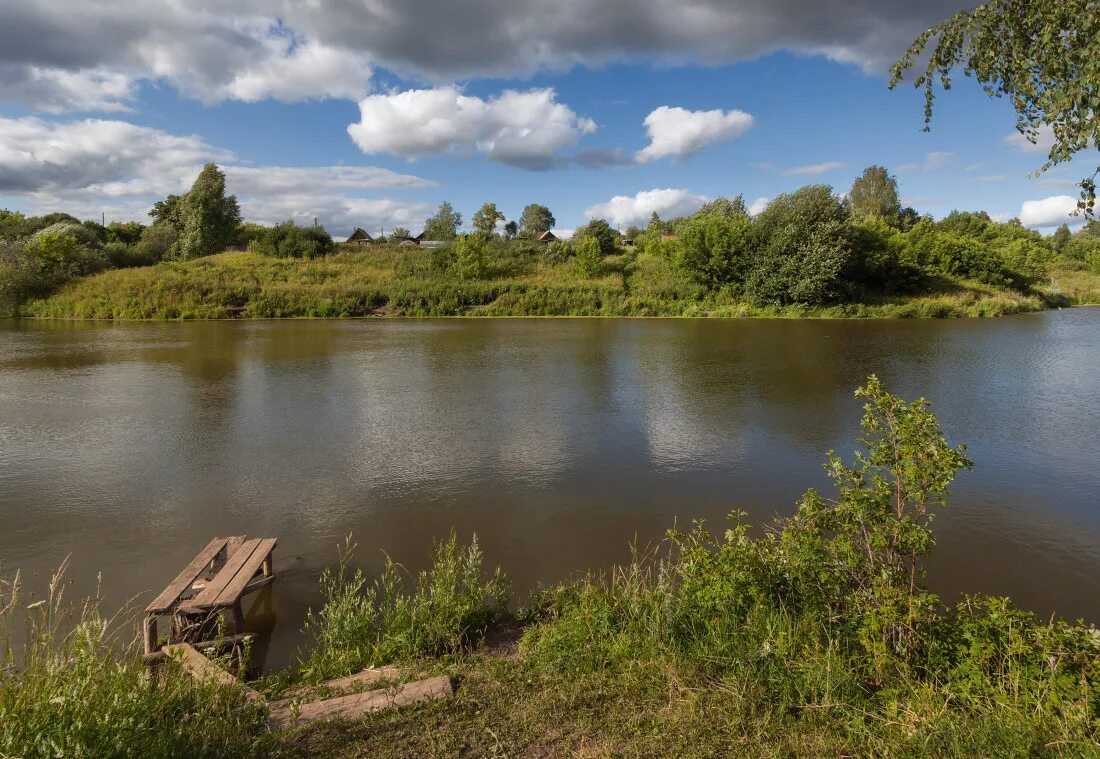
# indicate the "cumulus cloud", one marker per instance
pixel 254 49
pixel 1049 212
pixel 93 165
pixel 623 210
pixel 523 129
pixel 758 205
pixel 1044 141
pixel 679 133
pixel 72 55
pixel 814 168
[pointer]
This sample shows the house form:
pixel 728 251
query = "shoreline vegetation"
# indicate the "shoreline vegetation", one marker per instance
pixel 812 637
pixel 809 253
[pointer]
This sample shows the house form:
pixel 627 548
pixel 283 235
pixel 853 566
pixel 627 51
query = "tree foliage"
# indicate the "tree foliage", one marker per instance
pixel 485 219
pixel 587 257
pixel 875 193
pixel 443 224
pixel 535 220
pixel 716 249
pixel 288 240
pixel 469 256
pixel 1043 55
pixel 206 217
pixel 607 237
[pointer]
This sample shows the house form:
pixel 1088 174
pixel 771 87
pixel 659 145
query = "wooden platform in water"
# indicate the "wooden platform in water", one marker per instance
pixel 214 581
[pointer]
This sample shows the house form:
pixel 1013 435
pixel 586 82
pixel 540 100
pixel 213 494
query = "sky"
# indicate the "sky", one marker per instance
pixel 369 113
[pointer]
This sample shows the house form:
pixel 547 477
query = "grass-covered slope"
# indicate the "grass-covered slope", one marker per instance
pixel 383 281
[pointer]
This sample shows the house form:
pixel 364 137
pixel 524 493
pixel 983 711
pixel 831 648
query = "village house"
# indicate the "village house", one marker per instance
pixel 360 237
pixel 547 237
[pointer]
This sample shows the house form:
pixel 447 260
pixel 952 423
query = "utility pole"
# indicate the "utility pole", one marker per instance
pixel 103 218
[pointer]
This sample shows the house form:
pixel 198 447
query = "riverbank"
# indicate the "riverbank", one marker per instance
pixel 811 640
pixel 408 282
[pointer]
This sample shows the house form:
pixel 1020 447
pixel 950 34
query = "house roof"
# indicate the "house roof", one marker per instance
pixel 547 236
pixel 360 234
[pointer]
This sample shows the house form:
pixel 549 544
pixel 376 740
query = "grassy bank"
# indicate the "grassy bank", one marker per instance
pixel 814 639
pixel 386 281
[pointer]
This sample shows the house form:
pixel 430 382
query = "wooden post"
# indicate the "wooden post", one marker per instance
pixel 267 567
pixel 150 633
pixel 238 618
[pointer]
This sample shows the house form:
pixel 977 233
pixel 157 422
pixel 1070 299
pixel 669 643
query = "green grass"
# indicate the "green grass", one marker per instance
pixel 386 281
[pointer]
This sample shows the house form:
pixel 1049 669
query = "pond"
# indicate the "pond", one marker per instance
pixel 558 442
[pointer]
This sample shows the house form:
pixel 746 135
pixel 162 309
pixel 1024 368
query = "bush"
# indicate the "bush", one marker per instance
pixel 716 250
pixel 359 624
pixel 288 240
pixel 122 256
pixel 79 232
pixel 469 256
pixel 157 241
pixel 588 259
pixel 40 265
pixel 559 251
pixel 804 246
pixel 599 229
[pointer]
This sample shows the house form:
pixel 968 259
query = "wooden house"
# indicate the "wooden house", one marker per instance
pixel 407 239
pixel 547 237
pixel 360 237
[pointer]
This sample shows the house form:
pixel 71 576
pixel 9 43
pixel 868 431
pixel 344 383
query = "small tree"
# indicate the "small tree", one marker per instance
pixel 605 235
pixel 716 250
pixel 535 220
pixel 444 224
pixel 511 229
pixel 875 193
pixel 400 232
pixel 867 547
pixel 288 240
pixel 469 252
pixel 726 207
pixel 486 218
pixel 207 217
pixel 587 259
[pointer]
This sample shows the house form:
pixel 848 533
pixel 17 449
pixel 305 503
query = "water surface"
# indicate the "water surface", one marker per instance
pixel 129 446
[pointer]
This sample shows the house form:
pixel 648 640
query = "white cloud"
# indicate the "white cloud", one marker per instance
pixel 523 129
pixel 623 210
pixel 211 50
pixel 815 168
pixel 1043 143
pixel 679 133
pixel 758 205
pixel 936 159
pixel 90 166
pixel 1049 212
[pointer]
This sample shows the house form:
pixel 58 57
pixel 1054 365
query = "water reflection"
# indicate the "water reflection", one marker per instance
pixel 557 441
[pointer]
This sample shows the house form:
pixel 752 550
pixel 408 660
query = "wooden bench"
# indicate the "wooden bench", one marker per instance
pixel 215 581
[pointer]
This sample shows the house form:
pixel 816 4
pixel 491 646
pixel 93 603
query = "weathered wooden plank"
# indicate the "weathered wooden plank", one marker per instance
pixel 282 714
pixel 207 596
pixel 178 586
pixel 201 668
pixel 235 588
pixel 365 677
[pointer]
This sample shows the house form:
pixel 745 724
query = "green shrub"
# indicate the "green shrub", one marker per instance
pixel 450 605
pixel 588 261
pixel 559 251
pixel 716 249
pixel 288 240
pixel 469 256
pixel 599 229
pixel 804 246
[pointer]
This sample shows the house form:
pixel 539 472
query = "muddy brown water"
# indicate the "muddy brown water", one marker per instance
pixel 128 446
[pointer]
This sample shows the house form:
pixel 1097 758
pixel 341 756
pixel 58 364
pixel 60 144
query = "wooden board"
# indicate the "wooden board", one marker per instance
pixel 283 714
pixel 201 668
pixel 168 597
pixel 208 595
pixel 365 677
pixel 236 586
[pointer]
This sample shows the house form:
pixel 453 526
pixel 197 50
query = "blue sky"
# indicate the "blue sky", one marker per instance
pixel 87 130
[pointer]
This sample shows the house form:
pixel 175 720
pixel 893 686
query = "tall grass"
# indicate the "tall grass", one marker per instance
pixel 395 617
pixel 72 685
